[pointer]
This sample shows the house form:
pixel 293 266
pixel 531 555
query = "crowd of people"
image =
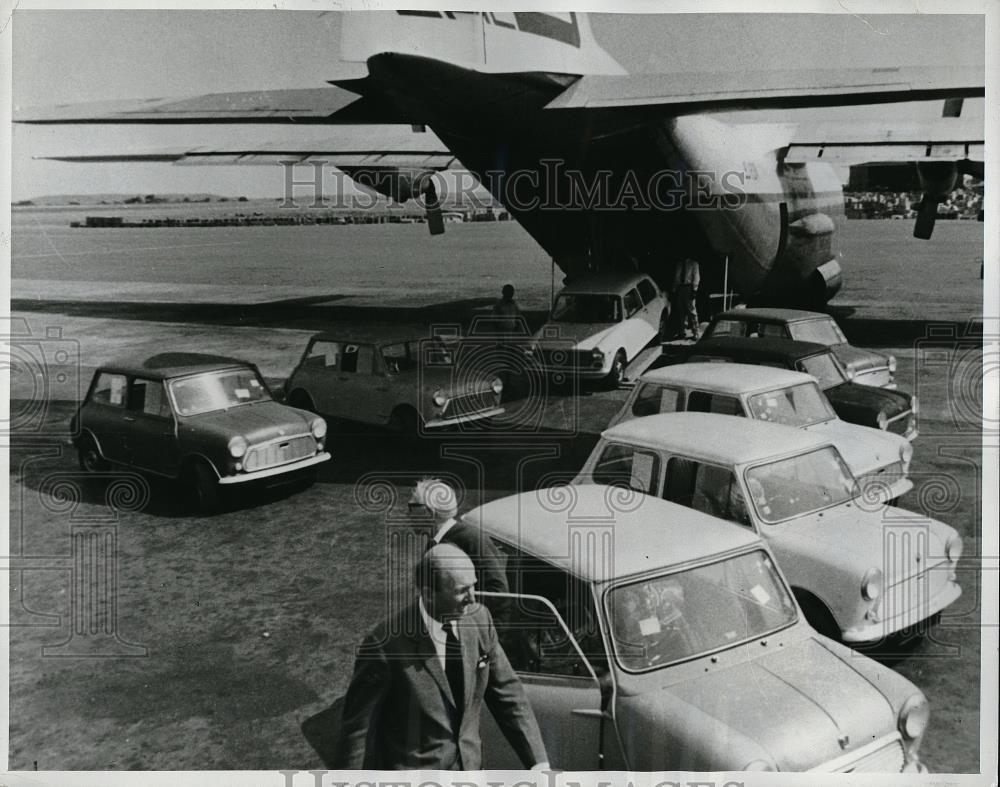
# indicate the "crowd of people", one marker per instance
pixel 959 204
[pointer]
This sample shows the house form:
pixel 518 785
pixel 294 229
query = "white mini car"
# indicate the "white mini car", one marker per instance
pixel 880 460
pixel 599 323
pixel 860 572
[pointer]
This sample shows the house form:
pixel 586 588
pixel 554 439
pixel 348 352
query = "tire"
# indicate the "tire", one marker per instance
pixel 90 457
pixel 301 400
pixel 202 487
pixel 405 422
pixel 816 612
pixel 617 373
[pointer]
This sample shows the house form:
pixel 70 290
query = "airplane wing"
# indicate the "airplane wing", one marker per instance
pixel 672 94
pixel 687 93
pixel 897 142
pixel 303 106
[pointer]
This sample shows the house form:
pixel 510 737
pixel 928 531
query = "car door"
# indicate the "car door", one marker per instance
pixel 710 489
pixel 551 636
pixel 653 303
pixel 152 439
pixel 106 417
pixel 713 402
pixel 636 331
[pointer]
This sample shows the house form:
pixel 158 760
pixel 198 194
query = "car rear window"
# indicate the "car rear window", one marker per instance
pixel 652 399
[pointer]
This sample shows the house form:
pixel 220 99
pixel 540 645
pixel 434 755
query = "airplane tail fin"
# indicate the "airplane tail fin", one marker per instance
pixel 490 42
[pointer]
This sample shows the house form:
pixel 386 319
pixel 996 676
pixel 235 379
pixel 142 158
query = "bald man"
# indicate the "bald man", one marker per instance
pixel 422 676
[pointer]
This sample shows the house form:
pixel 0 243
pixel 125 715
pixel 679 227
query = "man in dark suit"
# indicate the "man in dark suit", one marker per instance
pixel 422 676
pixel 433 509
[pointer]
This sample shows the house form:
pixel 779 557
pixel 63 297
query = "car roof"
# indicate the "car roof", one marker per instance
pixel 782 315
pixel 725 439
pixel 604 283
pixel 762 347
pixel 730 378
pixel 378 341
pixel 174 364
pixel 644 533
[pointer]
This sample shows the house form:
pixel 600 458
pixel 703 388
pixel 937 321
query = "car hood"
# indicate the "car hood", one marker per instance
pixel 802 704
pixel 582 335
pixel 849 535
pixel 863 448
pixel 257 422
pixel 857 360
pixel 855 394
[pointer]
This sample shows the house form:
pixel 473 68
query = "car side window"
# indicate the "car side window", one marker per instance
pixel 707 402
pixel 653 399
pixel 324 355
pixel 648 291
pixel 109 389
pixel 633 303
pixel 532 636
pixel 625 465
pixel 727 328
pixel 148 397
pixel 358 359
pixel 710 489
pixel 397 358
pixel 769 330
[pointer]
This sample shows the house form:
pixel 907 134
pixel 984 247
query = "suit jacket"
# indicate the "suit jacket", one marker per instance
pixel 399 712
pixel 490 566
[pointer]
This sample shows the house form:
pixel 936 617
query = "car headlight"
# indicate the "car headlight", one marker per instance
pixel 892 364
pixel 597 355
pixel 497 386
pixel 439 399
pixel 318 428
pixel 759 765
pixel 237 446
pixel 882 420
pixel 913 717
pixel 871 584
pixel 906 456
pixel 953 548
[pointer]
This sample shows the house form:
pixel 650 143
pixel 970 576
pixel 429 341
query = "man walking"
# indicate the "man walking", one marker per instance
pixel 422 676
pixel 687 277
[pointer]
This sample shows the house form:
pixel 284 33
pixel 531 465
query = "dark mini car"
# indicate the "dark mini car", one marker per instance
pixel 207 420
pixel 862 366
pixel 892 411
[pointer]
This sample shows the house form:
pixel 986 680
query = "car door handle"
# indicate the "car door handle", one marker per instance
pixel 593 713
pixel 129 418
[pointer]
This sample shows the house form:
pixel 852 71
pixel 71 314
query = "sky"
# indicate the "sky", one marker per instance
pixel 81 56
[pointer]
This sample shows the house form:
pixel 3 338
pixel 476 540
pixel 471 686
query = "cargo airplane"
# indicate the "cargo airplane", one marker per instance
pixel 605 169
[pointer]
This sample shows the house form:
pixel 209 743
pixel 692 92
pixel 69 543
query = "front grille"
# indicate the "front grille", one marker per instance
pixel 470 404
pixel 279 452
pixel 568 359
pixel 887 759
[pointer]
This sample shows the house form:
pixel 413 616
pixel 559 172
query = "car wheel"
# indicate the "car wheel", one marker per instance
pixel 203 488
pixel 816 612
pixel 301 400
pixel 90 457
pixel 617 373
pixel 405 422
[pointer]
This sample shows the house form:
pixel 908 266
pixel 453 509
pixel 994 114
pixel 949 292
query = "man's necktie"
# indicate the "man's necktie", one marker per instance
pixel 453 665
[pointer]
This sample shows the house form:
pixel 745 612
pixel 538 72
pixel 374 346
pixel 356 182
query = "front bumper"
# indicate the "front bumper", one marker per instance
pixel 465 418
pixel 884 755
pixel 877 631
pixel 291 467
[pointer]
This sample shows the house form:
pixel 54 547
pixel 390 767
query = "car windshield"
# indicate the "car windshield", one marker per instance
pixel 820 331
pixel 824 368
pixel 217 391
pixel 798 405
pixel 587 308
pixel 691 613
pixel 800 484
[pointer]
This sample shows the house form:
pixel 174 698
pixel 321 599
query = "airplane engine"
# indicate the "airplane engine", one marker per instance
pixel 726 179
